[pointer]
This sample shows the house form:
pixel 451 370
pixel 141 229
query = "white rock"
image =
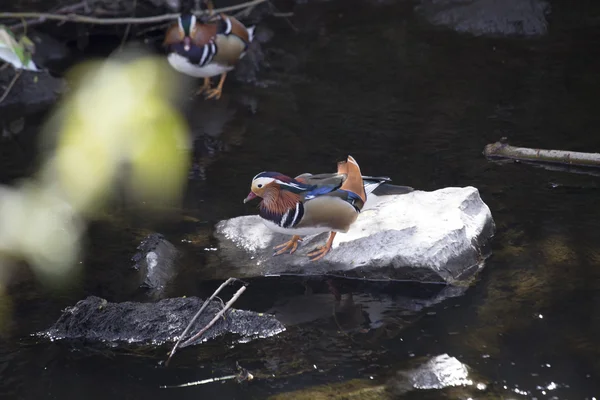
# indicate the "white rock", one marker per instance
pixel 440 372
pixel 424 236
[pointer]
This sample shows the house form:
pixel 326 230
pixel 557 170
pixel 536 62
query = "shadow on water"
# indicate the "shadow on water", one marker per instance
pixel 418 105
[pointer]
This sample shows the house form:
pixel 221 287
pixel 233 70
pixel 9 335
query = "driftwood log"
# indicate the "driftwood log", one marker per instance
pixel 502 149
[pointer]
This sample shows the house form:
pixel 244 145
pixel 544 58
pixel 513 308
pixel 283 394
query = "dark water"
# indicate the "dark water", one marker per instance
pixel 406 101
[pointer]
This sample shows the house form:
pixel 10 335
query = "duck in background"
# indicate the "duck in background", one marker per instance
pixel 211 48
pixel 310 204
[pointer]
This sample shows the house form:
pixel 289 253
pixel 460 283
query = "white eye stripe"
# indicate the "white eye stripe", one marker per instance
pixel 262 181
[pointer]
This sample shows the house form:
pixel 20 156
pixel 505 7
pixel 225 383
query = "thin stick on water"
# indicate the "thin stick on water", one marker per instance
pixel 284 16
pixel 113 21
pixel 204 305
pixel 202 382
pixel 216 318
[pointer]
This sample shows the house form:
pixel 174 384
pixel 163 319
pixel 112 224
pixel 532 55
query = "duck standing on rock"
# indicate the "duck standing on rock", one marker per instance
pixel 311 204
pixel 204 50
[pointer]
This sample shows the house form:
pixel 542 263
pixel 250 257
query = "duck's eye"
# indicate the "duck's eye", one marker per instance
pixel 259 185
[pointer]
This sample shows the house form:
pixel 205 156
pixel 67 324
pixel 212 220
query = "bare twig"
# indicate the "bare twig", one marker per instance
pixel 204 305
pixel 153 28
pixel 128 28
pixel 283 14
pixel 115 21
pixel 238 15
pixel 62 10
pixel 243 375
pixel 285 17
pixel 11 84
pixel 216 318
pixel 202 382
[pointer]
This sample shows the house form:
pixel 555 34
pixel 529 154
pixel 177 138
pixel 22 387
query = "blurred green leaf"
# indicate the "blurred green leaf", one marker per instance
pixel 17 53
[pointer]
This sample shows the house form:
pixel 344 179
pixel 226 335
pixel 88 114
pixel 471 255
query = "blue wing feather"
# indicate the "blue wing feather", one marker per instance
pixel 319 191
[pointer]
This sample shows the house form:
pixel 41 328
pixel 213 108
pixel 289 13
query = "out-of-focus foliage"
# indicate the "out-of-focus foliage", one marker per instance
pixel 120 124
pixel 117 126
pixel 16 52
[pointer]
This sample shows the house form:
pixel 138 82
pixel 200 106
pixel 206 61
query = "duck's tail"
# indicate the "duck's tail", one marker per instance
pixel 354 181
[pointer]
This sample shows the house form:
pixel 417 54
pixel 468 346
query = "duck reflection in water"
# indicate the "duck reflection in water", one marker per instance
pixel 216 127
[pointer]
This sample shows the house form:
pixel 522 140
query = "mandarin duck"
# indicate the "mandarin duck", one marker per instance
pixel 310 204
pixel 204 50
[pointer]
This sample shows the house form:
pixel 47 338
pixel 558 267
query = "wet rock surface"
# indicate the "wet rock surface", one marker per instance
pixel 488 17
pixel 156 260
pixel 437 236
pixel 95 319
pixel 32 92
pixel 438 372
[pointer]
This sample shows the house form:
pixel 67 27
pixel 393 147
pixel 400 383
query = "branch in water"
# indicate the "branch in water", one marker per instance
pixel 502 149
pixel 114 21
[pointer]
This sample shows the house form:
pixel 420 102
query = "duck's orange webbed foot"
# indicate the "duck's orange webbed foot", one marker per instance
pixel 290 245
pixel 216 92
pixel 205 86
pixel 323 250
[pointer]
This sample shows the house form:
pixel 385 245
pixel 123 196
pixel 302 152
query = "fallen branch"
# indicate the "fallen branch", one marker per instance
pixel 67 9
pixel 216 318
pixel 243 375
pixel 11 84
pixel 238 15
pixel 204 305
pixel 128 28
pixel 502 149
pixel 202 382
pixel 114 21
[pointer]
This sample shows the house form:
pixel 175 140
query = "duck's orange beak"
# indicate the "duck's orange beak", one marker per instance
pixel 251 196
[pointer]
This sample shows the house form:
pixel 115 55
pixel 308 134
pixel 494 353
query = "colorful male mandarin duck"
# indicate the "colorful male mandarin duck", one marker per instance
pixel 311 204
pixel 204 50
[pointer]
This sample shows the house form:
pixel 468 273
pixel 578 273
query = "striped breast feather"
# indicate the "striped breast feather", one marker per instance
pixel 292 216
pixel 288 219
pixel 208 52
pixel 198 55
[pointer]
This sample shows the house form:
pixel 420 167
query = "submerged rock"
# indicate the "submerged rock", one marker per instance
pixel 156 260
pixel 438 372
pixel 488 17
pixel 96 319
pixel 437 236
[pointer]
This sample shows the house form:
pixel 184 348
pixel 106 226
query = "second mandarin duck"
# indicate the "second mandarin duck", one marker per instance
pixel 310 204
pixel 204 50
